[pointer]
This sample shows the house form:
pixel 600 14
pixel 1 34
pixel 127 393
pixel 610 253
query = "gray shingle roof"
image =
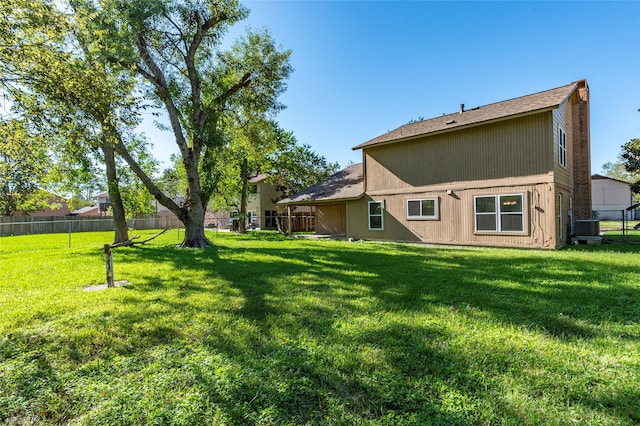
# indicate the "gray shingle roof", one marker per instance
pixel 347 184
pixel 522 105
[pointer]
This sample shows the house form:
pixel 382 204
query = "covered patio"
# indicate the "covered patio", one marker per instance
pixel 330 197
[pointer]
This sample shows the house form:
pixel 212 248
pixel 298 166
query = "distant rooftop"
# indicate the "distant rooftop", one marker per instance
pixel 83 210
pixel 597 176
pixel 526 104
pixel 257 178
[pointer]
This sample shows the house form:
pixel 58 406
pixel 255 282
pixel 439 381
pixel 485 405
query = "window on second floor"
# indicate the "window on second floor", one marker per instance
pixel 562 147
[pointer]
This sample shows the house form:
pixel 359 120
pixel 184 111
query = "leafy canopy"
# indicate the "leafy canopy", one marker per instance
pixel 631 159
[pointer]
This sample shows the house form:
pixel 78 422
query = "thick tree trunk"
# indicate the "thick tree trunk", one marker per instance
pixel 192 213
pixel 195 205
pixel 242 223
pixel 119 218
pixel 194 235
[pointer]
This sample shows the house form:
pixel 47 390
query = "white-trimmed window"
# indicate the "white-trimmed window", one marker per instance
pixel 499 213
pixel 562 147
pixel 422 208
pixel 376 220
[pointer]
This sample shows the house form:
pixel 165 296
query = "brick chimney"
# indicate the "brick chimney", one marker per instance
pixel 581 154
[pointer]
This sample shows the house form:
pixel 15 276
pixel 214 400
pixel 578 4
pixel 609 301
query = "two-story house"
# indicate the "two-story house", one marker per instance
pixel 511 174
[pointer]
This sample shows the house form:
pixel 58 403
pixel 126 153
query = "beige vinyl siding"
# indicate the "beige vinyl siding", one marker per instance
pixel 511 148
pixel 456 221
pixel 562 211
pixel 331 219
pixel 562 118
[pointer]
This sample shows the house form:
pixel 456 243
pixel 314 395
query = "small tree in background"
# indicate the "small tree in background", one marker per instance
pixel 297 167
pixel 630 158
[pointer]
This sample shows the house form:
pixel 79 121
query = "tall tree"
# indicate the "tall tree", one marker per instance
pixel 48 71
pixel 175 47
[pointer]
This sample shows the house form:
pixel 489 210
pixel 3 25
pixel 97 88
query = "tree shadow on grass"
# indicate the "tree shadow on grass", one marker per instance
pixel 329 282
pixel 314 330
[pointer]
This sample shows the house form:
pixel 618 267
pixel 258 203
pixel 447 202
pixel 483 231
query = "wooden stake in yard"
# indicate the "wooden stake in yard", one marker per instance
pixel 108 258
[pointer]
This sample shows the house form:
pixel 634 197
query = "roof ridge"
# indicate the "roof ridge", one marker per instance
pixel 490 104
pixel 418 128
pixel 531 94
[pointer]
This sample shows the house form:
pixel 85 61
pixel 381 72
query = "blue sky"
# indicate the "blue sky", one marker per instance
pixel 365 67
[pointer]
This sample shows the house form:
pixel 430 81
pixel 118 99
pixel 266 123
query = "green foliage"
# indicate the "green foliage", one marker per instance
pixel 317 332
pixel 297 166
pixel 24 164
pixel 252 138
pixel 52 78
pixel 136 198
pixel 174 48
pixel 75 203
pixel 271 151
pixel 173 180
pixel 631 159
pixel 617 171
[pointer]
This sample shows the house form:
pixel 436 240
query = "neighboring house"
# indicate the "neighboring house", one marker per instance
pixel 261 203
pixel 262 208
pixel 161 210
pixel 89 211
pixel 510 174
pixel 104 203
pixel 610 197
pixel 58 207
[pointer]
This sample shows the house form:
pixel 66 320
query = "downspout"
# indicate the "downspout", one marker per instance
pixel 571 232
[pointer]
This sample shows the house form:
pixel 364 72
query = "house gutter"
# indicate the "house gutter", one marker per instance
pixel 317 202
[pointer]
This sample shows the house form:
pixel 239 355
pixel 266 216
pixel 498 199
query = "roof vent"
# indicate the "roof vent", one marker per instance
pixel 450 122
pixel 461 108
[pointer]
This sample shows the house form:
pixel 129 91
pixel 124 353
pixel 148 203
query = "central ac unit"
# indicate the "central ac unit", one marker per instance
pixel 587 228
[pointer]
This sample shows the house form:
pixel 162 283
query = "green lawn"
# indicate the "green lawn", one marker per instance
pixel 265 330
pixel 612 230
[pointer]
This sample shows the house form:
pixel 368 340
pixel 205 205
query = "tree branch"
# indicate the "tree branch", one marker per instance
pixel 245 81
pixel 130 242
pixel 159 80
pixel 203 26
pixel 122 150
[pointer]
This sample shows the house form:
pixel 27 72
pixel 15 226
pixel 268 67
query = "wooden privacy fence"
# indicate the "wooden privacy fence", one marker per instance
pixel 25 225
